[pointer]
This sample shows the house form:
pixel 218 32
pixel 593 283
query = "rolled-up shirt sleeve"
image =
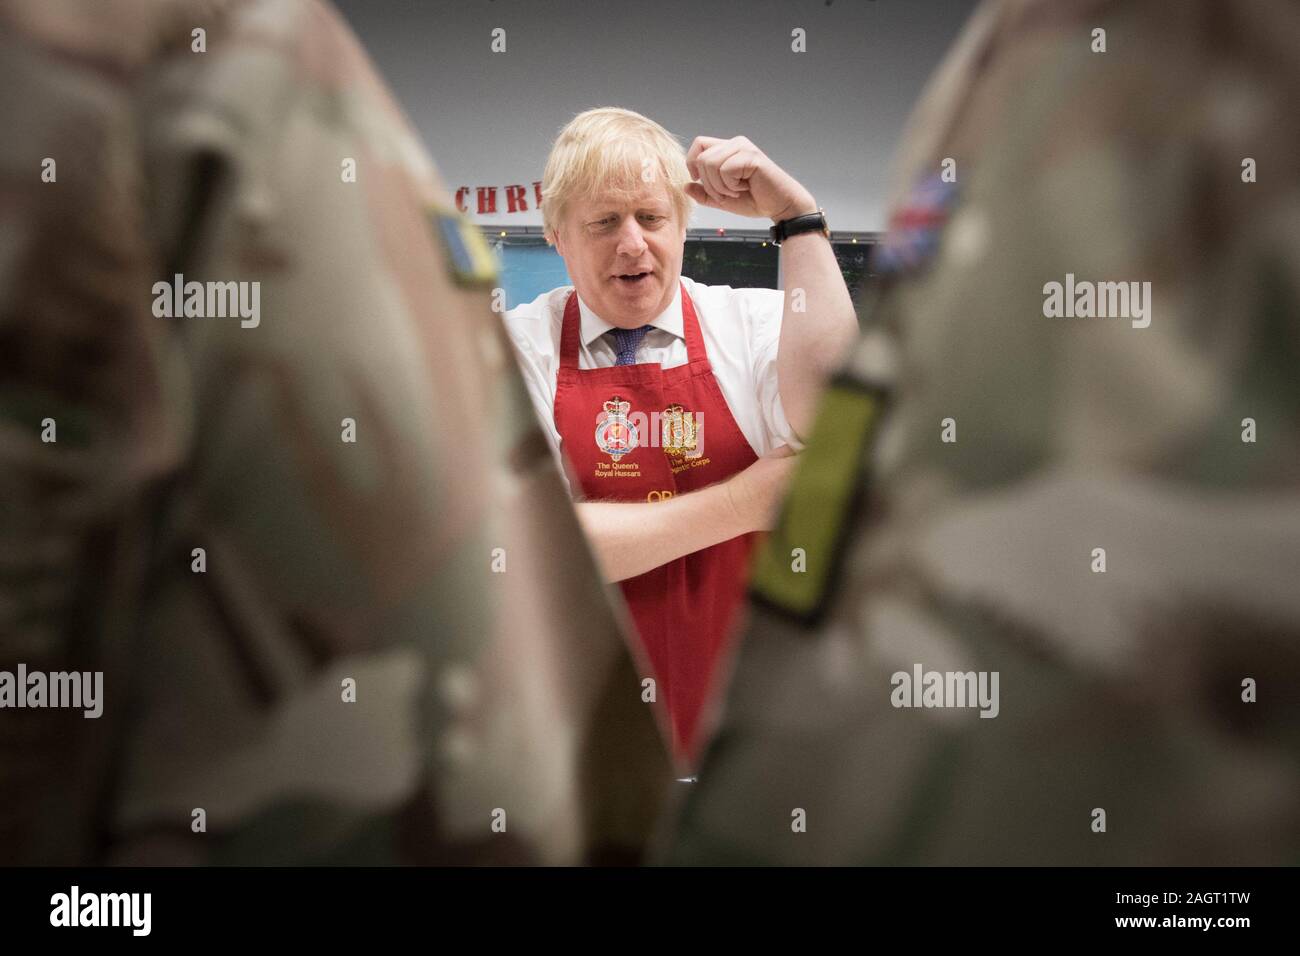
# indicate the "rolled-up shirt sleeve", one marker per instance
pixel 763 311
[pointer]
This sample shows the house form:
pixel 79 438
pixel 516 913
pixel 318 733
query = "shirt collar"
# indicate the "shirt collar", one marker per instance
pixel 670 319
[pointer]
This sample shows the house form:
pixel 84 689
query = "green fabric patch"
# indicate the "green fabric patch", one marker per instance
pixel 794 572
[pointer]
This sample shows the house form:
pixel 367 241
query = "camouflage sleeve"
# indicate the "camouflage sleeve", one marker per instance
pixel 86 426
pixel 1096 504
pixel 295 512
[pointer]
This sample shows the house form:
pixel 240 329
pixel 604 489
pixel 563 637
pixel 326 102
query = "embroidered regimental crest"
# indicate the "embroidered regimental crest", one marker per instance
pixel 681 435
pixel 615 435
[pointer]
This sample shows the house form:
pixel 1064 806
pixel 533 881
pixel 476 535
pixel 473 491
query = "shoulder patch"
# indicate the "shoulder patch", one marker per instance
pixel 912 237
pixel 470 261
pixel 796 568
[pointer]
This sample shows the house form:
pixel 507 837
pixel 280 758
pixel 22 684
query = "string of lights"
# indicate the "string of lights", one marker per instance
pixel 532 235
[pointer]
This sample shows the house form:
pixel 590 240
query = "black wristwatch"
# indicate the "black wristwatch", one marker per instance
pixel 813 222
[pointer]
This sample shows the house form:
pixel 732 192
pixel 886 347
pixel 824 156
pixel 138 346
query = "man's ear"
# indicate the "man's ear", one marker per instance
pixel 557 241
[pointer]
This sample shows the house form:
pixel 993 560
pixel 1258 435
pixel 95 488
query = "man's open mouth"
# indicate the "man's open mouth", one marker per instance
pixel 632 278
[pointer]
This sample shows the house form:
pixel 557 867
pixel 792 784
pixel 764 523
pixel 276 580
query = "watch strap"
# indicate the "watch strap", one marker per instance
pixel 811 222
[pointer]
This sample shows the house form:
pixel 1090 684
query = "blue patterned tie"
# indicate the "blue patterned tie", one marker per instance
pixel 626 341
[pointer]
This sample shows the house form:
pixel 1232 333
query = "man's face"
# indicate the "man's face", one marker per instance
pixel 603 240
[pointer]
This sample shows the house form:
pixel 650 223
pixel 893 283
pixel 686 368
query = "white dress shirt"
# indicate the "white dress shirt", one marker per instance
pixel 741 329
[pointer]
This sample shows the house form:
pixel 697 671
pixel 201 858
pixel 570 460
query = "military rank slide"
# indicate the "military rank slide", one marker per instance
pixel 507 466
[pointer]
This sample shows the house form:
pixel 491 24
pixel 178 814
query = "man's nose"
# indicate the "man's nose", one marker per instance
pixel 631 241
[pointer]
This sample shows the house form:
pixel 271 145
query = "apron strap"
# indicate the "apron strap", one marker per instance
pixel 696 354
pixel 570 332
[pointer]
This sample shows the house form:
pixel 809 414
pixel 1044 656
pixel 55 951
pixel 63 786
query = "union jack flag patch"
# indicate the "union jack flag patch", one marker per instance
pixel 912 238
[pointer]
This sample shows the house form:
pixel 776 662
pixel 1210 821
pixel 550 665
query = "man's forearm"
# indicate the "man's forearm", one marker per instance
pixel 813 341
pixel 630 538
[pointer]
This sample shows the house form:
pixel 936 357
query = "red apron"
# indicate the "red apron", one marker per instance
pixel 684 609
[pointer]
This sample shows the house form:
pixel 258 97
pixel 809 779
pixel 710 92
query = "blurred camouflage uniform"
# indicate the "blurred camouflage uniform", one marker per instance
pixel 475 690
pixel 1119 690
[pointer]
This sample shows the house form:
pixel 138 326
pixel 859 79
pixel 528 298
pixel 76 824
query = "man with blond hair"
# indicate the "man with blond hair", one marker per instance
pixel 675 405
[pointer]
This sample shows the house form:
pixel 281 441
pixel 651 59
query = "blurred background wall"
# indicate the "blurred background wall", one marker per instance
pixel 831 116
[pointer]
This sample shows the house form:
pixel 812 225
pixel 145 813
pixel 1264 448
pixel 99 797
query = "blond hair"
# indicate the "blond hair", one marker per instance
pixel 611 151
